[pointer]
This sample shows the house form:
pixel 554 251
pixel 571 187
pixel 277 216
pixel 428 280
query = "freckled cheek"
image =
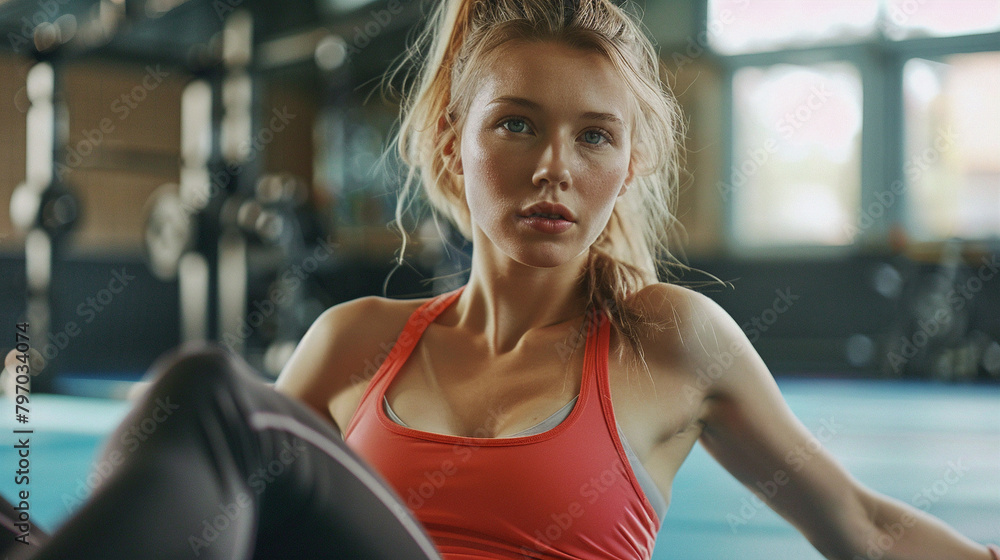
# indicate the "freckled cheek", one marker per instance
pixel 491 176
pixel 602 179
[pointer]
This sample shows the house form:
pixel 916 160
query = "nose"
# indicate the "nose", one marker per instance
pixel 553 167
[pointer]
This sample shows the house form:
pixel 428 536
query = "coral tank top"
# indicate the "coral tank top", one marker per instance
pixel 566 493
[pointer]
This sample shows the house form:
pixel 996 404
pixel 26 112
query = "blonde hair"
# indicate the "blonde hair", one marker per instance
pixel 451 53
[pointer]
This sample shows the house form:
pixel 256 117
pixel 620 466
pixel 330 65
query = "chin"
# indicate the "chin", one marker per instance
pixel 533 252
pixel 554 258
pixel 544 263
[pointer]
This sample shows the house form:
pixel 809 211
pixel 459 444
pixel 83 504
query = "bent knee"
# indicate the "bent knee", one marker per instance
pixel 193 364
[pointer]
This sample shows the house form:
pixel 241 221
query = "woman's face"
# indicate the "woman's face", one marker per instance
pixel 549 123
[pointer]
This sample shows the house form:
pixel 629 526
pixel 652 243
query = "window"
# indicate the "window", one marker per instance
pixel 952 146
pixel 835 103
pixel 745 26
pixel 940 18
pixel 797 142
pixel 742 26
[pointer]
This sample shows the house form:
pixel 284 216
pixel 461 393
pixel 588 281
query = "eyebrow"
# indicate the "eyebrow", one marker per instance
pixel 529 104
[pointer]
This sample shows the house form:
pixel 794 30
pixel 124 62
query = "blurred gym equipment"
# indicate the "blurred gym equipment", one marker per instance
pixel 44 208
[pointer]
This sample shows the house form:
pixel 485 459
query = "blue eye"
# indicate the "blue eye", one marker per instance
pixel 593 137
pixel 515 125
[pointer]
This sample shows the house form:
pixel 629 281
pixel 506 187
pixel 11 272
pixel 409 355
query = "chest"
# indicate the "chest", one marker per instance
pixel 446 386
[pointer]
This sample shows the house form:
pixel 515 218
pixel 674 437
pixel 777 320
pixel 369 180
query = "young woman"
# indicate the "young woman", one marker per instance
pixel 539 411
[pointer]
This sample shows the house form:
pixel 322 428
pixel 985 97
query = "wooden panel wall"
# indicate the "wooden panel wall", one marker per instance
pixel 13 104
pixel 124 141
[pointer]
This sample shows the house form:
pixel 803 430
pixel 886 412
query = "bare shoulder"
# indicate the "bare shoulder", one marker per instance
pixel 691 321
pixel 666 402
pixel 672 299
pixel 699 340
pixel 342 348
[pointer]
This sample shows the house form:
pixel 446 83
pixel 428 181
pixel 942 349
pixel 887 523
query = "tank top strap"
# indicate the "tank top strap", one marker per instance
pixel 599 331
pixel 415 326
pixel 428 312
pixel 602 379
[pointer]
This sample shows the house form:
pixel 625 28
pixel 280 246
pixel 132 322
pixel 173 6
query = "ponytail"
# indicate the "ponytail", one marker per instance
pixel 421 138
pixel 455 17
pixel 619 265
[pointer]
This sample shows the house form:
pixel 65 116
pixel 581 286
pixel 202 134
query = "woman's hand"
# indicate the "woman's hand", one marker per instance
pixel 749 430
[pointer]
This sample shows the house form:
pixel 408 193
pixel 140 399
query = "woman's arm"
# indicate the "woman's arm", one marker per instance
pixel 335 347
pixel 750 431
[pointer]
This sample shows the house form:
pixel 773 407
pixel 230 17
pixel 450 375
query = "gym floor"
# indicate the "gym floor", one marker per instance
pixel 934 446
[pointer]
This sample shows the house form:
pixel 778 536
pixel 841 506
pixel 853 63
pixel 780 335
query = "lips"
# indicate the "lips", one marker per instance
pixel 546 225
pixel 549 210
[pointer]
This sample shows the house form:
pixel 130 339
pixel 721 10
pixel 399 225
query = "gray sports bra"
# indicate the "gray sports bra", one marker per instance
pixel 645 481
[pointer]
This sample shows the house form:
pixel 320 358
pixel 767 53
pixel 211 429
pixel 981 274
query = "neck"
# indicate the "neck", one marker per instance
pixel 508 302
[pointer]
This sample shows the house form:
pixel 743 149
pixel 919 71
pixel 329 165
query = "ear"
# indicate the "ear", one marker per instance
pixel 452 154
pixel 628 177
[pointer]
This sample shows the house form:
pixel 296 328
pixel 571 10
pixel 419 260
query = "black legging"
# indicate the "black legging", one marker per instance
pixel 214 463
